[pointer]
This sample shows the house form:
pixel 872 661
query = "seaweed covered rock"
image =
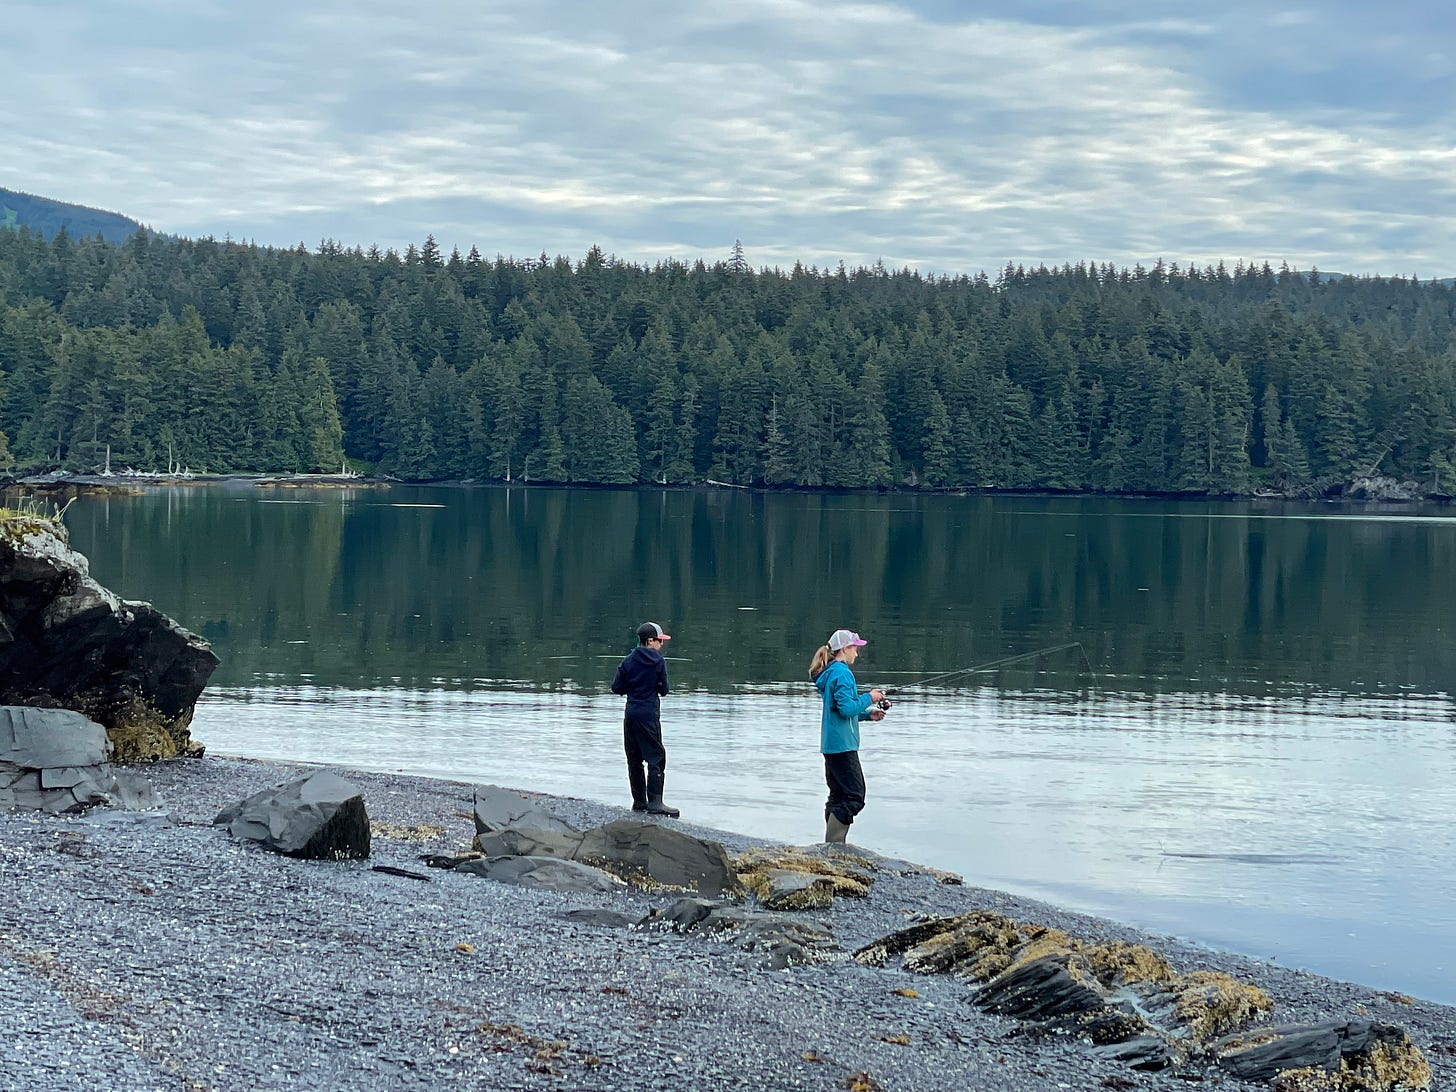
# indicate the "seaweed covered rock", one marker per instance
pixel 66 642
pixel 787 878
pixel 1337 1055
pixel 1129 1003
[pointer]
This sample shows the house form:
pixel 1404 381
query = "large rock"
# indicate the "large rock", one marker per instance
pixel 642 853
pixel 67 642
pixel 57 761
pixel 670 858
pixel 514 842
pixel 320 817
pixel 496 809
pixel 1382 1054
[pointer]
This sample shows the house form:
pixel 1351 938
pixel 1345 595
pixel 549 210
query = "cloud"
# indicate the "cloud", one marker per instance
pixel 811 130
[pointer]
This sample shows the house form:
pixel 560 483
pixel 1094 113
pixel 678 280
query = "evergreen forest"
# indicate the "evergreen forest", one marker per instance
pixel 159 353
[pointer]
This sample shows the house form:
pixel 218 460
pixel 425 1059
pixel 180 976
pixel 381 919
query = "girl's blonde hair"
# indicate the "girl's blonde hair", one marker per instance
pixel 820 661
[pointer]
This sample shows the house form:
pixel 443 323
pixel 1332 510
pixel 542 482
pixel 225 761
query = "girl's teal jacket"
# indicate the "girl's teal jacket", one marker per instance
pixel 844 708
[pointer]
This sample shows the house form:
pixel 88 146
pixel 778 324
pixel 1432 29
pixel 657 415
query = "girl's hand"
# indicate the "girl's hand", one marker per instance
pixel 877 714
pixel 877 696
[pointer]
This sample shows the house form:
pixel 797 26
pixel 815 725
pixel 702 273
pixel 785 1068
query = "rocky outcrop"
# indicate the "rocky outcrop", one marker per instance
pixel 66 642
pixel 1131 1005
pixel 57 761
pixel 1338 1054
pixel 321 817
pixel 1377 487
pixel 643 854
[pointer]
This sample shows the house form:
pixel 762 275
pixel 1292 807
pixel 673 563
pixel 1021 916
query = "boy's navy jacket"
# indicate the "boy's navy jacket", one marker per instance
pixel 642 676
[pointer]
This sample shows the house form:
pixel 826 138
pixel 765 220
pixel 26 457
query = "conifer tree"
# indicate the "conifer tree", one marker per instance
pixel 939 469
pixel 777 464
pixel 319 417
pixel 869 431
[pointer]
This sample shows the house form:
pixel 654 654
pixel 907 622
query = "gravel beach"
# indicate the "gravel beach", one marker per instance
pixel 150 951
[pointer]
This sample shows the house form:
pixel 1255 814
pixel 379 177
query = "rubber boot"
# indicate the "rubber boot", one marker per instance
pixel 655 806
pixel 638 781
pixel 835 829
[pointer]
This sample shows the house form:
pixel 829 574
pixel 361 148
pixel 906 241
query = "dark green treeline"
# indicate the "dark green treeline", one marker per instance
pixel 226 357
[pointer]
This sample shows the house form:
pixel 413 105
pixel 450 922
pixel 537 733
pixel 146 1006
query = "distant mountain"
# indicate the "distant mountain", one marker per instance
pixel 46 217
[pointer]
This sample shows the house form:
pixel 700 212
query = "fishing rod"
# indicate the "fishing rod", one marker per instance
pixel 990 665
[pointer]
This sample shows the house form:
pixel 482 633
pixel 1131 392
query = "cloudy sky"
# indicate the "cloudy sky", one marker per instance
pixel 948 135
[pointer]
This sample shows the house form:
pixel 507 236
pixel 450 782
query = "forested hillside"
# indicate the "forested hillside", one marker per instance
pixel 45 217
pixel 233 357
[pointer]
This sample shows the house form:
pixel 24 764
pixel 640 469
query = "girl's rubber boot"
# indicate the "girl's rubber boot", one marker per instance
pixel 835 829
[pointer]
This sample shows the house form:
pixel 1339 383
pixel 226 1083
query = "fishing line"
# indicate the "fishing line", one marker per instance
pixel 992 665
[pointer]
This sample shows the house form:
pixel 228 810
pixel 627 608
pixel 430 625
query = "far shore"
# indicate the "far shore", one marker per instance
pixel 148 950
pixel 67 482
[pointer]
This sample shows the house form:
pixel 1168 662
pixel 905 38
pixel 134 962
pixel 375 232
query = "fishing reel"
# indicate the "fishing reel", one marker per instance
pixel 883 705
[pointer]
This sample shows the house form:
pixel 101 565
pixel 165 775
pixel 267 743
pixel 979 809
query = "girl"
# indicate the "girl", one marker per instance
pixel 844 708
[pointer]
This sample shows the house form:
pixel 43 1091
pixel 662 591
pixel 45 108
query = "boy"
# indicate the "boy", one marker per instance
pixel 642 677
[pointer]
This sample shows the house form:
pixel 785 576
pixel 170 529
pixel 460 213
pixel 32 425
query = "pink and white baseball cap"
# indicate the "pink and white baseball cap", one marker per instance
pixel 843 638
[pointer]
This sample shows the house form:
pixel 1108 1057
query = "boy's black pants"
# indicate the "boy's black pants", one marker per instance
pixel 642 740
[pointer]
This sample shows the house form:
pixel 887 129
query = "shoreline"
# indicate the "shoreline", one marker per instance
pixel 139 952
pixel 62 482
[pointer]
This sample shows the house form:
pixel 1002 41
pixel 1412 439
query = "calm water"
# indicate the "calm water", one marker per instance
pixel 1256 751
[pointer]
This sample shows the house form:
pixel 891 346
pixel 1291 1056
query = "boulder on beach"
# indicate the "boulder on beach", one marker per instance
pixel 496 809
pixel 320 817
pixel 66 642
pixel 644 854
pixel 57 761
pixel 649 854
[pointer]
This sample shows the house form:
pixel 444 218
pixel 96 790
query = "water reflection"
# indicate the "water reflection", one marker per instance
pixel 359 585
